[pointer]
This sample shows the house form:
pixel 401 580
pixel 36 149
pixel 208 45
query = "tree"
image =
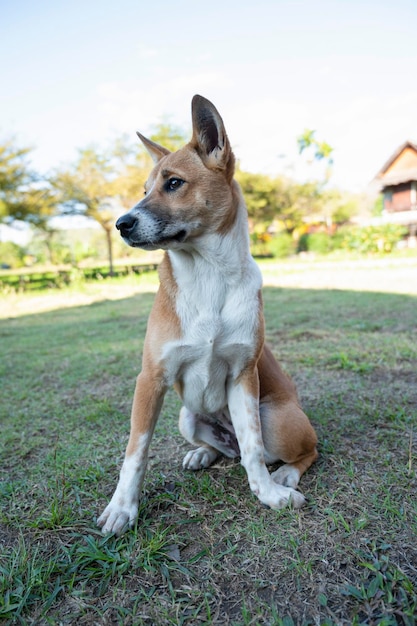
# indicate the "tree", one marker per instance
pixel 259 192
pixel 339 207
pixel 321 150
pixel 15 180
pixel 296 202
pixel 24 195
pixel 278 199
pixel 136 163
pixel 11 255
pixel 102 181
pixel 131 162
pixel 87 188
pixel 171 137
pixel 335 209
pixel 131 165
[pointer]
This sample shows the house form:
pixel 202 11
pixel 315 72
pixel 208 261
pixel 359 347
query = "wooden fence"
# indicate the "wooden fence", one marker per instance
pixel 32 279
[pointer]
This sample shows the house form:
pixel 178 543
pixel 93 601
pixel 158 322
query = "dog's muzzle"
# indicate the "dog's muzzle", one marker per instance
pixel 149 233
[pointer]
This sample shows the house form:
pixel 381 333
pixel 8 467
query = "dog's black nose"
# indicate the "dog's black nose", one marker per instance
pixel 125 224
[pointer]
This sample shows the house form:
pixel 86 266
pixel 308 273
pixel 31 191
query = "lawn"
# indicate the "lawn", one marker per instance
pixel 204 550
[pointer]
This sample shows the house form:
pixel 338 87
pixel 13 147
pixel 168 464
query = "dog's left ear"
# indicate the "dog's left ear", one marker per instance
pixel 209 137
pixel 155 150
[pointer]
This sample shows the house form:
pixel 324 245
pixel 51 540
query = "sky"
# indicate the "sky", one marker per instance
pixel 83 72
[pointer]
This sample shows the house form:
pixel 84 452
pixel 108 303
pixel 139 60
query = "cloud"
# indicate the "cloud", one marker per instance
pixel 129 106
pixel 146 52
pixel 368 130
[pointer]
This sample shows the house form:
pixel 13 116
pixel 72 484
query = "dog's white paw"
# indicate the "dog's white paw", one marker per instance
pixel 286 475
pixel 117 518
pixel 200 458
pixel 278 497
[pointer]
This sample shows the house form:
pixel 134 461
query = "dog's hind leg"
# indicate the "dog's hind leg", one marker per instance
pixel 214 435
pixel 288 436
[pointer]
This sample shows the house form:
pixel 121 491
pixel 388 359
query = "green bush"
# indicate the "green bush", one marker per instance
pixel 281 245
pixel 266 245
pixel 372 239
pixel 303 243
pixel 365 240
pixel 320 243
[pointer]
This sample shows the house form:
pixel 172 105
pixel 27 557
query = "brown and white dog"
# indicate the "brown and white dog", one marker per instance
pixel 205 332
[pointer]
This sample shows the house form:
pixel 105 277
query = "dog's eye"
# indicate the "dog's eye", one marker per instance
pixel 173 184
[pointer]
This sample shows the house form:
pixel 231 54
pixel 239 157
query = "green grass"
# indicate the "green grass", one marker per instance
pixel 204 550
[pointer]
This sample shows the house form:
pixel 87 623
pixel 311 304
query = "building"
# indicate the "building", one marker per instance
pixel 397 180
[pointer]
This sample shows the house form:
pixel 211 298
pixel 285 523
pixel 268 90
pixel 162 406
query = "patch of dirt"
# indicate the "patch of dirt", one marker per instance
pixel 15 305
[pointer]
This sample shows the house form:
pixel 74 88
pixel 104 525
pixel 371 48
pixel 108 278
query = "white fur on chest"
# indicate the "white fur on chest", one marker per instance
pixel 219 314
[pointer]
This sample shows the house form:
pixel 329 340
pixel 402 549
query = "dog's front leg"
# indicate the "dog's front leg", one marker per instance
pixel 122 509
pixel 243 400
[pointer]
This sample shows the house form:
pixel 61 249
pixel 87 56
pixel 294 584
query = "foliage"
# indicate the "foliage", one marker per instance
pixel 343 210
pixel 378 207
pixel 169 136
pixel 321 151
pixel 290 204
pixel 131 163
pixel 51 247
pixel 278 246
pixel 336 207
pixel 279 200
pixel 372 239
pixel 15 180
pixel 102 182
pixel 298 202
pixel 365 240
pixel 86 188
pixel 259 192
pixel 23 195
pixel 319 243
pixel 282 245
pixel 11 255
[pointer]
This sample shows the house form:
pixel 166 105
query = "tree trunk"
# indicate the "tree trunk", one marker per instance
pixel 110 251
pixel 48 245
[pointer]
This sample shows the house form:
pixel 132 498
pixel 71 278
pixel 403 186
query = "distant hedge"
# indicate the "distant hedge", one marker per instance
pixel 370 239
pixel 365 240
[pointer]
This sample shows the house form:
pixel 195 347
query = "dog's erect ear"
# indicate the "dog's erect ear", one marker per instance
pixel 209 137
pixel 155 150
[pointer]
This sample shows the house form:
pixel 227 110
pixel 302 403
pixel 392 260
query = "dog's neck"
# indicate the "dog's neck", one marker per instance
pixel 226 254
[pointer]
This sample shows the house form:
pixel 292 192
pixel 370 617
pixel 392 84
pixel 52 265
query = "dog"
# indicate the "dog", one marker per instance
pixel 205 333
